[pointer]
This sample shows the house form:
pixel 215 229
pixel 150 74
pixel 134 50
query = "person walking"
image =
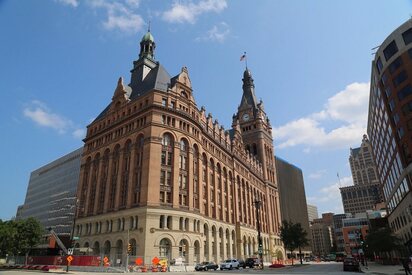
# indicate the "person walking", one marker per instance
pixel 405 263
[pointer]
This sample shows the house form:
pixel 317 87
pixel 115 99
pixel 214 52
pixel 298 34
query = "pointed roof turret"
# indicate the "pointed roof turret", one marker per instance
pixel 147 46
pixel 248 97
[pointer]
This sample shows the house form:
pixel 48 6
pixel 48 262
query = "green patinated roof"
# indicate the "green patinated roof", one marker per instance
pixel 148 37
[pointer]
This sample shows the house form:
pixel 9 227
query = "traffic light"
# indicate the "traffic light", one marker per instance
pixel 129 248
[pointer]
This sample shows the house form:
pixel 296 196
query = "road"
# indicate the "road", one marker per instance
pixel 318 269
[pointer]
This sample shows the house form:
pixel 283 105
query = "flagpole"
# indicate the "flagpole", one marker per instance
pixel 246 60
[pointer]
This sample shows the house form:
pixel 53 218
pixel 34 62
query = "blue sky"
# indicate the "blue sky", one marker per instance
pixel 60 61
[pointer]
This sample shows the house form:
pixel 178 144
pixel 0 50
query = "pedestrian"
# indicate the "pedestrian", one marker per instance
pixel 405 263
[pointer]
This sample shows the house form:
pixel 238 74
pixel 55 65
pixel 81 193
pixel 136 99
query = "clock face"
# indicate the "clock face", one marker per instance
pixel 245 117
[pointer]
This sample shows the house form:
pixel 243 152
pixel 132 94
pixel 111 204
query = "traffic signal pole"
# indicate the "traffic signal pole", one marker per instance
pixel 129 248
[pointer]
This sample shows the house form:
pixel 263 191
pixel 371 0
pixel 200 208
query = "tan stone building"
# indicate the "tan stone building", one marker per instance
pixel 159 173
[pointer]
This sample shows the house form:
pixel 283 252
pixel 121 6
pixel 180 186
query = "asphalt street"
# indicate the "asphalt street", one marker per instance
pixel 322 268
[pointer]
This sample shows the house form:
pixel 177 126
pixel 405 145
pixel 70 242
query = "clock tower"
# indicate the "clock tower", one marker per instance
pixel 256 133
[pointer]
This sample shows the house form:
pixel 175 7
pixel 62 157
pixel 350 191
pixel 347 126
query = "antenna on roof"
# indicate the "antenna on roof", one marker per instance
pixel 340 185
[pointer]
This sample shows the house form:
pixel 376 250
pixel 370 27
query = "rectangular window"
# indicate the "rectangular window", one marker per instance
pixel 392 105
pixel 164 102
pixel 379 65
pixel 407 36
pixel 169 179
pixel 395 65
pixel 404 92
pixel 401 77
pixel 390 50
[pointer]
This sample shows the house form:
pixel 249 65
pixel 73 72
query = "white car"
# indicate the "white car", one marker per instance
pixel 229 264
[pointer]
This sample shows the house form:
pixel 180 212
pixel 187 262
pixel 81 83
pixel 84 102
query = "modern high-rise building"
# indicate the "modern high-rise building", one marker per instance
pixel 367 189
pixel 312 212
pixel 390 126
pixel 51 193
pixel 164 176
pixel 292 195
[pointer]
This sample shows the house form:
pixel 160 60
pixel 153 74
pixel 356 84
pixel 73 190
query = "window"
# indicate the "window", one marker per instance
pixel 395 64
pixel 164 102
pixel 401 77
pixel 396 119
pixel 407 36
pixel 379 65
pixel 404 92
pixel 390 50
pixel 392 104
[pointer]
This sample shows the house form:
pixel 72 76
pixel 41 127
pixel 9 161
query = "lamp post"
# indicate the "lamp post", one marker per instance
pixel 72 233
pixel 260 249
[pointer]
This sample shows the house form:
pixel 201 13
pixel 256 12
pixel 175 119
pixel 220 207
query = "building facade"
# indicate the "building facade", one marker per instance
pixel 322 237
pixel 162 175
pixel 390 126
pixel 312 212
pixel 51 193
pixel 355 230
pixel 338 232
pixel 367 189
pixel 293 205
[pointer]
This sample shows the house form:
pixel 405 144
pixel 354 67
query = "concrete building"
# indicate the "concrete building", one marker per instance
pixel 51 193
pixel 390 126
pixel 367 189
pixel 293 205
pixel 322 238
pixel 164 176
pixel 312 212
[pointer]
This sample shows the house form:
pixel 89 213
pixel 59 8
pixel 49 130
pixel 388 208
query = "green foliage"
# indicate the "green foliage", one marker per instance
pixel 18 237
pixel 293 236
pixel 382 240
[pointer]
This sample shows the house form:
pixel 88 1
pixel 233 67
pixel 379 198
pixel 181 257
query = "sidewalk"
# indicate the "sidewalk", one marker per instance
pixel 378 269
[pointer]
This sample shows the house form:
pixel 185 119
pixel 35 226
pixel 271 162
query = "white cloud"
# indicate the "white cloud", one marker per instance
pixel 79 133
pixel 73 3
pixel 217 33
pixel 348 108
pixel 41 115
pixel 331 193
pixel 317 175
pixel 188 12
pixel 120 15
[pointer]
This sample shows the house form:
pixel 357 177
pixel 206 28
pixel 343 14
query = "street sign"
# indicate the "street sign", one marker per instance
pixel 105 260
pixel 75 238
pixel 155 260
pixel 70 251
pixel 69 258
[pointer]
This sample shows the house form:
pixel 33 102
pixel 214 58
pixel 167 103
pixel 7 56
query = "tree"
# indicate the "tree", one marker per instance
pixel 19 236
pixel 293 236
pixel 382 241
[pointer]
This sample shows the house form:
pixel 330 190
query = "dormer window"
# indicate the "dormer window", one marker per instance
pixel 184 94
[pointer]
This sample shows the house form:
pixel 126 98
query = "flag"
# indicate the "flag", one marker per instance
pixel 243 57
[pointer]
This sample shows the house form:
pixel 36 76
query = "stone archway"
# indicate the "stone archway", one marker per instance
pixel 196 251
pixel 165 248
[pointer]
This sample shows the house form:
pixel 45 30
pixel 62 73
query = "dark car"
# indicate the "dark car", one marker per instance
pixel 242 263
pixel 206 266
pixel 251 262
pixel 350 264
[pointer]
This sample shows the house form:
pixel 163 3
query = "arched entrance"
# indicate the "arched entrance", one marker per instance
pixel 184 250
pixel 165 248
pixel 196 257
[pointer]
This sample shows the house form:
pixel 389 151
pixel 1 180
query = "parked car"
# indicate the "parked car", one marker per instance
pixel 350 264
pixel 230 264
pixel 242 263
pixel 251 262
pixel 206 266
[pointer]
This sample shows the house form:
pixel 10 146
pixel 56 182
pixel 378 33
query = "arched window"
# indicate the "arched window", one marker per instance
pixel 164 248
pixel 125 173
pixel 166 186
pixel 103 181
pixel 95 172
pixel 183 173
pixel 195 177
pixel 85 185
pixel 183 249
pixel 133 246
pixel 113 177
pixel 138 169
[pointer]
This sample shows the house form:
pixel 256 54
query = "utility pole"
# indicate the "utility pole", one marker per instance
pixel 260 249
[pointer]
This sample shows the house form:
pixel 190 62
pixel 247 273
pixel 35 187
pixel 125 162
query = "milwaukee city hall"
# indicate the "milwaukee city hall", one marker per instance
pixel 160 174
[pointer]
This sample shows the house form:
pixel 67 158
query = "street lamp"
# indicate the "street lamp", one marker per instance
pixel 260 249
